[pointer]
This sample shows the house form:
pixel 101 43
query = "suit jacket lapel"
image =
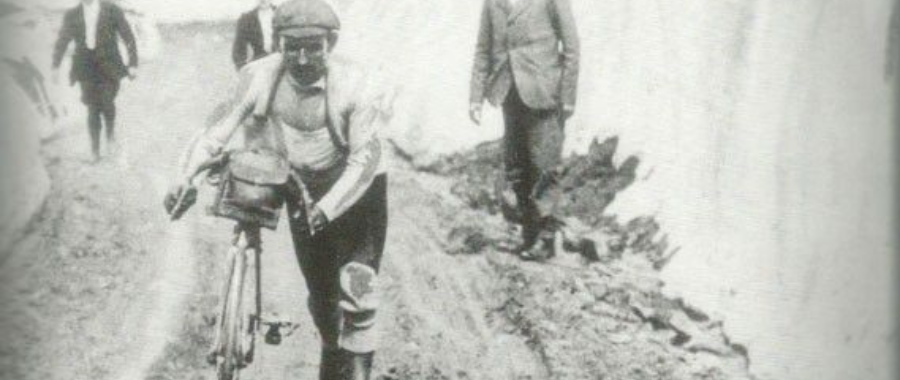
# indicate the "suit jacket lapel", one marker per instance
pixel 518 9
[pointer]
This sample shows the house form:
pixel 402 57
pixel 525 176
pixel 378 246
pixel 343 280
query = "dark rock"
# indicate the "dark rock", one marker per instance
pixel 466 240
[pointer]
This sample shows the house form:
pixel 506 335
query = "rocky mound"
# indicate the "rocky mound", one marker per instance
pixel 602 314
pixel 586 185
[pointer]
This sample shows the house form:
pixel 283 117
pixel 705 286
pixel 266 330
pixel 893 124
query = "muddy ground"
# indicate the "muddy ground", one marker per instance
pixel 106 288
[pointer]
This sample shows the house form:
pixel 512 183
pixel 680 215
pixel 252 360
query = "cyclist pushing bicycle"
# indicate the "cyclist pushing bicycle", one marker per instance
pixel 310 142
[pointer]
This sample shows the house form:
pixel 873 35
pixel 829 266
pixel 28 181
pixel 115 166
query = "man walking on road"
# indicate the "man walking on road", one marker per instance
pixel 526 61
pixel 314 112
pixel 254 38
pixel 96 27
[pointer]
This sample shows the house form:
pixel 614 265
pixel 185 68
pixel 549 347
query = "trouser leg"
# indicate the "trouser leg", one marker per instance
pixel 109 119
pixel 320 273
pixel 109 90
pixel 340 265
pixel 91 97
pixel 321 281
pixel 94 126
pixel 545 145
pixel 517 162
pixel 99 94
pixel 331 363
pixel 533 149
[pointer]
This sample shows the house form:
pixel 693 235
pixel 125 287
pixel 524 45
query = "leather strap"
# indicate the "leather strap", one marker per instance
pixel 264 108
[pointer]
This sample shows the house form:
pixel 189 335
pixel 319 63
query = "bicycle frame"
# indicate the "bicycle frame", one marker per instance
pixel 235 338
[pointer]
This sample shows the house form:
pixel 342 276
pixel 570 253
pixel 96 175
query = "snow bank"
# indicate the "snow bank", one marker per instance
pixel 763 129
pixel 25 183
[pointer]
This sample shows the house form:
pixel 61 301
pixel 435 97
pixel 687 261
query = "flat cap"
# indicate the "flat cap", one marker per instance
pixel 305 18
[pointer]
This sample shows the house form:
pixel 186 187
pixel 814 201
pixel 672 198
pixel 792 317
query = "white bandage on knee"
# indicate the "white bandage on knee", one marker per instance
pixel 359 303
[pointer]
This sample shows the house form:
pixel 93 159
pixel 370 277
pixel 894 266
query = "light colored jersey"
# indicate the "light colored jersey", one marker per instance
pixel 354 114
pixel 300 112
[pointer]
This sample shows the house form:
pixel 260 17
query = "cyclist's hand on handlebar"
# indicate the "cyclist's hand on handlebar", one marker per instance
pixel 179 199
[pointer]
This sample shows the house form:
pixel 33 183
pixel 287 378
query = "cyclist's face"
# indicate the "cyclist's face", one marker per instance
pixel 305 54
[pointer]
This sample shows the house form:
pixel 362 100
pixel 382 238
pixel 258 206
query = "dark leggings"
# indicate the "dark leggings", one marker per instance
pixel 532 142
pixel 98 116
pixel 99 95
pixel 357 236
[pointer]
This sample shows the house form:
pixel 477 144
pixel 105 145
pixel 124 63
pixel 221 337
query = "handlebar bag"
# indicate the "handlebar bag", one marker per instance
pixel 252 187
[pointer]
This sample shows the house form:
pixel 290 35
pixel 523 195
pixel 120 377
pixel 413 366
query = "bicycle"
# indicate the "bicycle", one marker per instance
pixel 237 324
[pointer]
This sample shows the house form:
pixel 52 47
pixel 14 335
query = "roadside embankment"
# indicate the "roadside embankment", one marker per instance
pixel 604 311
pixel 25 183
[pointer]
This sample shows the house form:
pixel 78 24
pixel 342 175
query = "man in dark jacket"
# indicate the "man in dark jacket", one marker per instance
pixel 96 28
pixel 526 61
pixel 254 38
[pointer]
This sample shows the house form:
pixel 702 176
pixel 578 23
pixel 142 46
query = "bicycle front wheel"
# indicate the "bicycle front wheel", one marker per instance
pixel 233 316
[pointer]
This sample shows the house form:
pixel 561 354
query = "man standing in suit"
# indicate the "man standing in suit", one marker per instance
pixel 254 38
pixel 526 61
pixel 96 27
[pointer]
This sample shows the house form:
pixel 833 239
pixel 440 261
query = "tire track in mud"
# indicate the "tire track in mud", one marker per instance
pixel 161 109
pixel 169 292
pixel 440 310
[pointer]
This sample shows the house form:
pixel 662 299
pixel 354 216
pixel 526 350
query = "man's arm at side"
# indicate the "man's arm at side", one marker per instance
pixel 568 34
pixel 66 35
pixel 482 64
pixel 363 161
pixel 239 48
pixel 124 29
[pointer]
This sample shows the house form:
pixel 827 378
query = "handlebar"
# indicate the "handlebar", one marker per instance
pixel 212 162
pixel 181 205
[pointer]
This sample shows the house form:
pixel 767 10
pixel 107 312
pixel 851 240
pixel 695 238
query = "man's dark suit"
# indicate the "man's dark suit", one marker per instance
pixel 111 26
pixel 99 71
pixel 526 60
pixel 248 42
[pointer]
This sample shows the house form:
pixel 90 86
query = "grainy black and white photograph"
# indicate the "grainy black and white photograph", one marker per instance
pixel 448 189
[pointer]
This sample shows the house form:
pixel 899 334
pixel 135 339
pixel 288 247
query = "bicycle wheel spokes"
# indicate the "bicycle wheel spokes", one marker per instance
pixel 229 339
pixel 218 346
pixel 252 303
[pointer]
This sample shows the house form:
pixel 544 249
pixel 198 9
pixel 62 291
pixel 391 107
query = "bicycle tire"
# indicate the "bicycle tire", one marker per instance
pixel 232 327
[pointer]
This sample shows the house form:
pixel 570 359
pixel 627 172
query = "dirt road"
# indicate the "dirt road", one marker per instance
pixel 106 288
pixel 435 320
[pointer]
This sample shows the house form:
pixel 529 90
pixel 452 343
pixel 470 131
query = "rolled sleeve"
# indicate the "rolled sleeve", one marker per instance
pixel 363 162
